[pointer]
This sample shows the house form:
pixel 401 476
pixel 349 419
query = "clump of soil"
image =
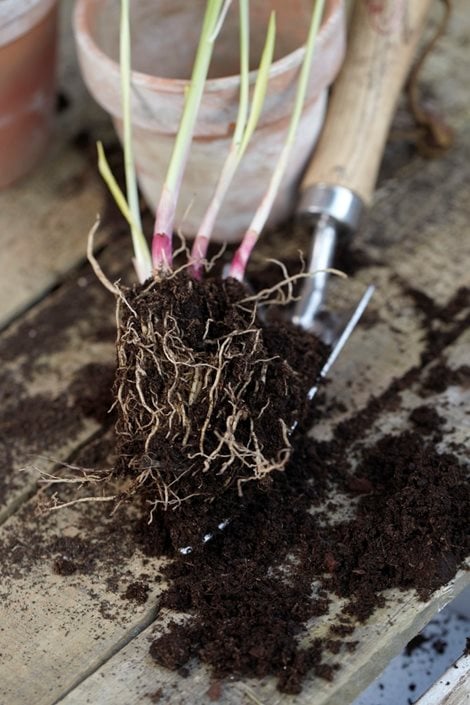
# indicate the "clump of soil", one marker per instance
pixel 137 591
pixel 248 591
pixel 208 393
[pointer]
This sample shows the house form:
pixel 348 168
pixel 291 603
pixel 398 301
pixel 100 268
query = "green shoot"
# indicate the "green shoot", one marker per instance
pixel 261 85
pixel 239 262
pixel 113 186
pixel 165 217
pixel 243 132
pixel 143 262
pixel 129 208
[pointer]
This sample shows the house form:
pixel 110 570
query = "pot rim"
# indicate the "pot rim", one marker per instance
pixel 84 9
pixel 18 16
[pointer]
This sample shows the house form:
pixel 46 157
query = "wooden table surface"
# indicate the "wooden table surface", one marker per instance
pixel 69 639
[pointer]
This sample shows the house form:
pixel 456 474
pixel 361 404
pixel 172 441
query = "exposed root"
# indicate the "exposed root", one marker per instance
pixel 284 289
pixel 205 399
pixel 433 136
pixel 101 276
pixel 80 476
pixel 55 503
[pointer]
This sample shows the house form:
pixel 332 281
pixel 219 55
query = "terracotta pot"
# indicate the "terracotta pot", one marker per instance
pixel 164 37
pixel 28 40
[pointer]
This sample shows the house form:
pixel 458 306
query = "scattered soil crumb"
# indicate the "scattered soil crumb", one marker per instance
pixel 415 643
pixel 64 566
pixel 138 592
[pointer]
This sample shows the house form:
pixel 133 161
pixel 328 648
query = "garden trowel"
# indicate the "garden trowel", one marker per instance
pixel 339 182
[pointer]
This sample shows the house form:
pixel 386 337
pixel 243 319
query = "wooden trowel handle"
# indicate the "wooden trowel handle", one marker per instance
pixel 381 45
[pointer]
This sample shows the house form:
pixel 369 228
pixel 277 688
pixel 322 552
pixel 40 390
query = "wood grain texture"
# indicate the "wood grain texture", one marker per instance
pixel 44 219
pixel 381 46
pixel 131 677
pixel 44 356
pixel 453 688
pixel 56 629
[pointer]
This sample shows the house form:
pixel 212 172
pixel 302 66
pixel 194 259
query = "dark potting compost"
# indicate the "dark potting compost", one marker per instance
pixel 250 590
pixel 242 600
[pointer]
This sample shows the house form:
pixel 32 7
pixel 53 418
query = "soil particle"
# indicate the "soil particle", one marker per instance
pixel 427 421
pixel 137 591
pixel 64 566
pixel 173 650
pixel 214 693
pixel 439 646
pixel 441 377
pixel 74 554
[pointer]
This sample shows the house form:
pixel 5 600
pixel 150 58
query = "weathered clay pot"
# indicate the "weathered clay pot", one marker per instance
pixel 28 40
pixel 164 37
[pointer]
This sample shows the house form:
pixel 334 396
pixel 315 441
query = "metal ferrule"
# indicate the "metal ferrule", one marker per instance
pixel 334 210
pixel 338 202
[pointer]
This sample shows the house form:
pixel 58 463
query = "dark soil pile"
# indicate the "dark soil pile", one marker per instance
pixel 247 592
pixel 207 392
pixel 246 612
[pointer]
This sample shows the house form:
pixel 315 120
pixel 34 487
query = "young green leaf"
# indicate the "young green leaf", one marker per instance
pixel 164 222
pixel 240 260
pixel 244 128
pixel 141 250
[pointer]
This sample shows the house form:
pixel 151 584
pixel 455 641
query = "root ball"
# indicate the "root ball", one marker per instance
pixel 207 392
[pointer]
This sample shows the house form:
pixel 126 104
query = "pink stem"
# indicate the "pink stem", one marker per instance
pixel 198 254
pixel 202 239
pixel 162 255
pixel 242 255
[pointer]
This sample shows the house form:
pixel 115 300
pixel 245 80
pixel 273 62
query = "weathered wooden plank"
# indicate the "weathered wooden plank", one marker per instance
pixel 55 626
pixel 48 358
pixel 45 217
pixel 131 677
pixel 453 688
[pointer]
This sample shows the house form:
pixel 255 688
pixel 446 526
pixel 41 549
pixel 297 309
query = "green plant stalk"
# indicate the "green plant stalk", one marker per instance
pixel 142 258
pixel 117 194
pixel 165 217
pixel 242 255
pixel 244 128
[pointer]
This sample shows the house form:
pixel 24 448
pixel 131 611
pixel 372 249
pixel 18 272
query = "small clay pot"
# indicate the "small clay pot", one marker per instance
pixel 164 39
pixel 28 41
